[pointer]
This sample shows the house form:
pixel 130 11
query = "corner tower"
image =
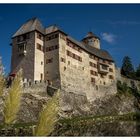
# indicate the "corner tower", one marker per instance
pixel 27 50
pixel 92 40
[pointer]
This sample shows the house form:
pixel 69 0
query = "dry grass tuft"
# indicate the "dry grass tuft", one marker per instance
pixel 12 101
pixel 2 84
pixel 48 117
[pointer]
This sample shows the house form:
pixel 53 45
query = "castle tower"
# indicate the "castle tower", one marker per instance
pixel 27 50
pixel 92 40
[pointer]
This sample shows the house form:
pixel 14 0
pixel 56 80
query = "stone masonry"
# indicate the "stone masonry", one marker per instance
pixel 49 54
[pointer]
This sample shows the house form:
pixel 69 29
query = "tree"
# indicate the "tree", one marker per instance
pixel 138 72
pixel 127 68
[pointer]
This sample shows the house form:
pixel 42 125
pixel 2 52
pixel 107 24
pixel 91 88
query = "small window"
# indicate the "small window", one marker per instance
pixel 41 62
pixel 39 47
pixel 110 69
pixel 111 77
pixel 39 36
pixel 63 60
pixel 93 80
pixel 49 60
pixel 104 67
pixel 28 36
pixel 56 35
pixel 102 76
pixel 21 47
pixel 64 68
pixel 96 87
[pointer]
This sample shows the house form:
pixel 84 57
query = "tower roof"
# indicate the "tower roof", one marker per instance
pixel 31 25
pixel 90 35
pixel 53 28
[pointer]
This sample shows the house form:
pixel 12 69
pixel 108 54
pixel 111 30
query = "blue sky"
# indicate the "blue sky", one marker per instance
pixel 118 26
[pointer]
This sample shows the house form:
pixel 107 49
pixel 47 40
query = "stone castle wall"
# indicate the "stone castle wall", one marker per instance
pixel 128 81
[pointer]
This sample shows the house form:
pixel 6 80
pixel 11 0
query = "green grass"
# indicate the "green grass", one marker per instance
pixel 79 123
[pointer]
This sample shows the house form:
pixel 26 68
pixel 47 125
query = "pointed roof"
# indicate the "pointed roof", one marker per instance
pixel 31 25
pixel 90 35
pixel 52 29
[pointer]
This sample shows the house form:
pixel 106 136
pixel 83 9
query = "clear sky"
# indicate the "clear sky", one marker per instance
pixel 118 26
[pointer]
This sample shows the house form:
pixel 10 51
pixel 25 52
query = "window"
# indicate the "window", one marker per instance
pixel 39 36
pixel 74 56
pixel 93 73
pixel 104 67
pixel 74 46
pixel 28 36
pixel 96 87
pixel 41 76
pixel 23 37
pixel 111 77
pixel 110 69
pixel 39 47
pixel 68 62
pixel 92 65
pixel 92 80
pixel 64 68
pixel 51 37
pixel 68 53
pixel 21 47
pixel 101 75
pixel 41 62
pixel 63 60
pixel 49 60
pixel 51 48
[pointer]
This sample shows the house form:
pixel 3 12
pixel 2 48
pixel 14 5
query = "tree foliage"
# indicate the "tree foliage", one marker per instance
pixel 138 72
pixel 127 68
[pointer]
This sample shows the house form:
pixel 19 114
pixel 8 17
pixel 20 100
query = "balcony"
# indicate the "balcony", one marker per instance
pixel 103 68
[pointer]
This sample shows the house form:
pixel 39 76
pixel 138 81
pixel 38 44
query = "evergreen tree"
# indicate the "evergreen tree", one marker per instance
pixel 127 68
pixel 138 72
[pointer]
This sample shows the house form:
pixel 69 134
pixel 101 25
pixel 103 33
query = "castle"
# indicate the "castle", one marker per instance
pixel 50 54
